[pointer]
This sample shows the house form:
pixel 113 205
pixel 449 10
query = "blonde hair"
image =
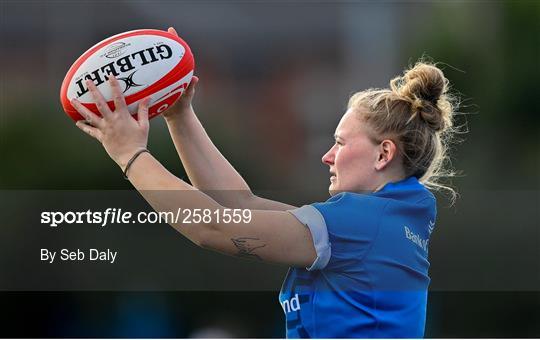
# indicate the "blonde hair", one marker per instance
pixel 416 112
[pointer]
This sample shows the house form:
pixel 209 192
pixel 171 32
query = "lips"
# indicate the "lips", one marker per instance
pixel 333 175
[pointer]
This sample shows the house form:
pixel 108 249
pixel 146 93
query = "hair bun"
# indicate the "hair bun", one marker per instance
pixel 424 87
pixel 424 82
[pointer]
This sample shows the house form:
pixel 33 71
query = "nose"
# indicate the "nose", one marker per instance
pixel 328 157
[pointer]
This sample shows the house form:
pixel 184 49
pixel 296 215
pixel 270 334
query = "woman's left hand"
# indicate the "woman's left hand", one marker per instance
pixel 120 134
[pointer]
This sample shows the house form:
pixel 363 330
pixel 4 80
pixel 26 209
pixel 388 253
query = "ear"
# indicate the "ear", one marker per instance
pixel 386 153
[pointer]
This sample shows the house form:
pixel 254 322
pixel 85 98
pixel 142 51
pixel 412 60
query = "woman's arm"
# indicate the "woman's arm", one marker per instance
pixel 273 236
pixel 205 166
pixel 270 236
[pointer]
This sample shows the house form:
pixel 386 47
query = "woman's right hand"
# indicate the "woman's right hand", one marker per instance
pixel 183 105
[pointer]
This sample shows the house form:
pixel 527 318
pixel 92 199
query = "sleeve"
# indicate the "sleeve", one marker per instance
pixel 343 229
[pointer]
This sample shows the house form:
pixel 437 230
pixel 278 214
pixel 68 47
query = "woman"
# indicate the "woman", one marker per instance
pixel 359 260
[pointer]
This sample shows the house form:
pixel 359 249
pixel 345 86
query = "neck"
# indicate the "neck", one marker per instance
pixel 389 177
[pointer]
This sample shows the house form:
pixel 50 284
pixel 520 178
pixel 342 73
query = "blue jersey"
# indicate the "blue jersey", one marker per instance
pixel 370 277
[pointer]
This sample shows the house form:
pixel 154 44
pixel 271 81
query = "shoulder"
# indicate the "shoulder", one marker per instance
pixel 342 228
pixel 351 204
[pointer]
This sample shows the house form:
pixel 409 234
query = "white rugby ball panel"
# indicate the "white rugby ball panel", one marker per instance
pixel 143 61
pixel 146 62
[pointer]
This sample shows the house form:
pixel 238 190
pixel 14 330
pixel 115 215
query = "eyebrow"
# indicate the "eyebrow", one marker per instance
pixel 336 136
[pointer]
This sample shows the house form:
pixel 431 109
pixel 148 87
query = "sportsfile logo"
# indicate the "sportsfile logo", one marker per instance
pixel 416 239
pixel 119 216
pixel 124 64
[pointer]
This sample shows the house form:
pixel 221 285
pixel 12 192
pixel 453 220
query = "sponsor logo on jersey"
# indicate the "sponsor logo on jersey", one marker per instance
pixel 416 239
pixel 291 305
pixel 431 226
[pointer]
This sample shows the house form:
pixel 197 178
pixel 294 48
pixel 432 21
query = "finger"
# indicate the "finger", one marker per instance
pixel 90 116
pixel 100 101
pixel 90 130
pixel 142 114
pixel 118 96
pixel 172 31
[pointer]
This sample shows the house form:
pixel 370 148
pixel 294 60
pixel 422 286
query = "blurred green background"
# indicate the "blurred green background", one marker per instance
pixel 275 79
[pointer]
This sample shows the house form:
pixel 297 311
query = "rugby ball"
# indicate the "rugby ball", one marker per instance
pixel 146 63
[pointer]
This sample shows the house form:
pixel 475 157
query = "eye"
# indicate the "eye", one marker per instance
pixel 339 143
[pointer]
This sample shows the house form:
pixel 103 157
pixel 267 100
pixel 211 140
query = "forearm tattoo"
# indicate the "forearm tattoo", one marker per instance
pixel 246 247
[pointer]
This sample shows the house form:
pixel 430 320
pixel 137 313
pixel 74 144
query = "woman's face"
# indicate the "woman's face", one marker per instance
pixel 353 157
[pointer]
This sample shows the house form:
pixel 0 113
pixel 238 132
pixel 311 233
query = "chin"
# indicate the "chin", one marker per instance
pixel 332 190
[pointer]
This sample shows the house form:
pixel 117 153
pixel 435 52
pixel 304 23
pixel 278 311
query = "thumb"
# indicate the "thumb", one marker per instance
pixel 192 84
pixel 172 31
